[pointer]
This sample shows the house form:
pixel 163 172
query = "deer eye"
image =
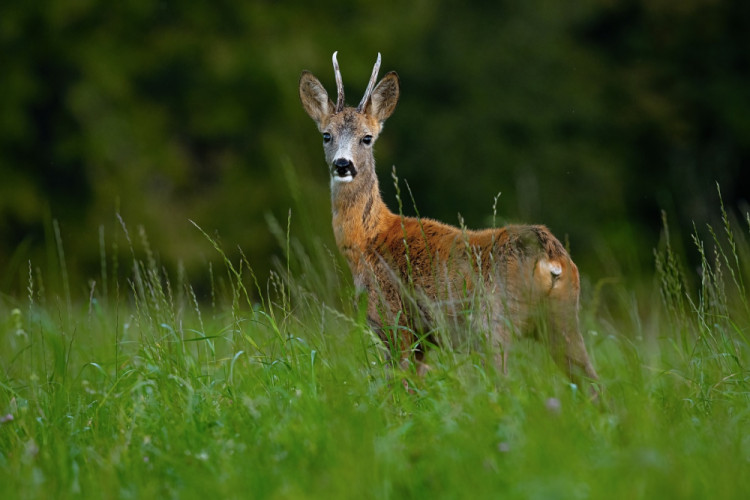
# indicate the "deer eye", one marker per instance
pixel 326 137
pixel 367 140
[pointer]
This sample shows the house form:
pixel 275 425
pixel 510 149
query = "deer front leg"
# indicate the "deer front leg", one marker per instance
pixel 398 339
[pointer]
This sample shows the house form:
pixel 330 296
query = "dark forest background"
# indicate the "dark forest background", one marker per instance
pixel 590 117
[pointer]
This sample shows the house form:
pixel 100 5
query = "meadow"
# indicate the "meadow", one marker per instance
pixel 138 385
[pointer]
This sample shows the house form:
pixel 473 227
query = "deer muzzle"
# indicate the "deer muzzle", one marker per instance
pixel 343 169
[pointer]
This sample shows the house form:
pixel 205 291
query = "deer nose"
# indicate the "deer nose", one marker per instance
pixel 344 167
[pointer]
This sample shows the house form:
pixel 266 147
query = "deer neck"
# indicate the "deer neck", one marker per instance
pixel 359 212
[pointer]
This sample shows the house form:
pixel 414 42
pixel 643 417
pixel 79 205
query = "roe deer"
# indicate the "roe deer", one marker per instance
pixel 415 269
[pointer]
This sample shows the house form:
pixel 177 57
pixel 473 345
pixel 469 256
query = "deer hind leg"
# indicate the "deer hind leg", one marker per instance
pixel 567 347
pixel 507 321
pixel 559 280
pixel 501 338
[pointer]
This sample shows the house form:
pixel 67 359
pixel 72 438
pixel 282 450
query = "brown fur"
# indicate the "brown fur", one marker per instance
pixel 414 270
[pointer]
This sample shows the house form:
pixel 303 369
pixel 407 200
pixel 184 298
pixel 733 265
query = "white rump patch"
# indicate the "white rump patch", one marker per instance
pixel 555 268
pixel 548 273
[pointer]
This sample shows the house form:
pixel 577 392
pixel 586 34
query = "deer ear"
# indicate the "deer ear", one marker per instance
pixel 383 100
pixel 314 97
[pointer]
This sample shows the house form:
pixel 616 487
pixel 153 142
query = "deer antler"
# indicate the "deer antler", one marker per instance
pixel 339 85
pixel 370 85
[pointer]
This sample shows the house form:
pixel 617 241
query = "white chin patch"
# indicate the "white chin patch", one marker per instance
pixel 337 178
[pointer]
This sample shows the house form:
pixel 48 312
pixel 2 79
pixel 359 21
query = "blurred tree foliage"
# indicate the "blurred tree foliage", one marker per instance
pixel 587 116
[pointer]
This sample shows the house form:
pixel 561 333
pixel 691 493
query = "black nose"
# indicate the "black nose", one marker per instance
pixel 344 167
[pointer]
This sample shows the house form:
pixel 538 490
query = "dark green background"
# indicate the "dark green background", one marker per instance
pixel 588 116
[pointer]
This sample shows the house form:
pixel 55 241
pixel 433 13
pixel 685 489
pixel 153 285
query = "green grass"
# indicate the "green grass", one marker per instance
pixel 134 388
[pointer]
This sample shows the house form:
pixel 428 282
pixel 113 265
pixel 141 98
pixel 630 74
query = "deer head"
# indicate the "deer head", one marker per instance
pixel 349 133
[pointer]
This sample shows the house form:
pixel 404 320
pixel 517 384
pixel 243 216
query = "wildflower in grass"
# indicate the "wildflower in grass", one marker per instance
pixel 553 405
pixel 31 450
pixel 16 318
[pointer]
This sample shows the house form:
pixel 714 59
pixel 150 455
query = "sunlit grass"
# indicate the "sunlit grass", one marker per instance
pixel 137 387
